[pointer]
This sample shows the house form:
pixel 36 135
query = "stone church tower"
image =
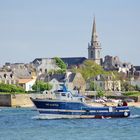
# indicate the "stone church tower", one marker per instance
pixel 94 47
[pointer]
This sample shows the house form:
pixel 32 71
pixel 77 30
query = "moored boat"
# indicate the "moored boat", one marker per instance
pixel 67 105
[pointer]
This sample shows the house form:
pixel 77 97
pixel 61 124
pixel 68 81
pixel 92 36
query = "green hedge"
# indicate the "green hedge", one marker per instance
pixel 7 88
pixel 131 93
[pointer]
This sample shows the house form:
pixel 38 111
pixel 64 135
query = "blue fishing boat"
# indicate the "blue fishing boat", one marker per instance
pixel 67 105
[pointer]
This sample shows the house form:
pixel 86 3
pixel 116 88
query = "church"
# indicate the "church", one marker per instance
pixel 94 51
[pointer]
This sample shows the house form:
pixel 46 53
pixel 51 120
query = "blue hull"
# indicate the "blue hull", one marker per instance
pixel 69 109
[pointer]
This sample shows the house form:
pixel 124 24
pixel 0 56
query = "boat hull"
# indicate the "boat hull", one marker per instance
pixel 60 109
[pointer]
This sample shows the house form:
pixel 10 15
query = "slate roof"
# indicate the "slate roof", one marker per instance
pixel 60 77
pixel 71 61
pixel 37 60
pixel 22 73
pixel 137 68
pixel 71 77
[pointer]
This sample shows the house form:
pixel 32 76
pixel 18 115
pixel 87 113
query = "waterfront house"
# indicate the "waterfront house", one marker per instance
pixel 26 83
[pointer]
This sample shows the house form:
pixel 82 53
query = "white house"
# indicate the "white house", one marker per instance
pixel 26 83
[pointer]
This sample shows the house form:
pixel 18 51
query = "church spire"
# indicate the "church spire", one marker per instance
pixel 94 34
pixel 94 48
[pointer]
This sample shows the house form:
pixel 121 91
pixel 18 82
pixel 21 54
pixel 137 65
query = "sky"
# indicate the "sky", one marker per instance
pixel 32 29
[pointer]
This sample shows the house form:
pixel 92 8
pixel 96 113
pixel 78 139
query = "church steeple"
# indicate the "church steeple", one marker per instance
pixel 94 48
pixel 94 34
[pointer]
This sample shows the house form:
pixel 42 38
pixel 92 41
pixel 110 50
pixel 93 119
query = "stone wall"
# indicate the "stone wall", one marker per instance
pixel 19 100
pixel 5 100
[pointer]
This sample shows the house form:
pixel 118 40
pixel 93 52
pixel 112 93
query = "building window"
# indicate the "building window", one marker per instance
pixel 101 85
pixel 91 54
pixel 98 54
pixel 5 75
pixel 11 75
pixel 45 70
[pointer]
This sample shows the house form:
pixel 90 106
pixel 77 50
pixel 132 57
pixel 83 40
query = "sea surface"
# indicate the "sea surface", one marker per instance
pixel 26 124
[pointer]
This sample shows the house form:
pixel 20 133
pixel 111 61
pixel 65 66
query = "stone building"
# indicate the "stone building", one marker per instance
pixel 113 63
pixel 105 82
pixel 44 65
pixel 74 81
pixel 8 78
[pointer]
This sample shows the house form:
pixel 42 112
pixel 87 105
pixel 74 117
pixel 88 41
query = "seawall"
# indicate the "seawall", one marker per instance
pixel 19 100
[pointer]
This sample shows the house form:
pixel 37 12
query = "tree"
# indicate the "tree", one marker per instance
pixel 92 86
pixel 125 86
pixel 137 88
pixel 60 63
pixel 60 71
pixel 41 86
pixel 89 69
pixel 100 93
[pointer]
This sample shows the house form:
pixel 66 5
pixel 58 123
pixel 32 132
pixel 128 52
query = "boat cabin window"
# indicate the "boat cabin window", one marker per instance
pixel 60 90
pixel 63 94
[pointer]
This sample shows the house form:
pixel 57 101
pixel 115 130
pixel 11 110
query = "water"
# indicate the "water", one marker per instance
pixel 25 124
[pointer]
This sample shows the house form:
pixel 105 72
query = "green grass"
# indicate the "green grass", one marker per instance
pixel 12 93
pixel 132 93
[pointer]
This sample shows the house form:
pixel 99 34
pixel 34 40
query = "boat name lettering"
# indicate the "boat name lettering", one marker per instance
pixel 52 104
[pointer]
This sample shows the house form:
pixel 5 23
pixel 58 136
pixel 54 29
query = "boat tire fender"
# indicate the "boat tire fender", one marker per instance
pixel 125 114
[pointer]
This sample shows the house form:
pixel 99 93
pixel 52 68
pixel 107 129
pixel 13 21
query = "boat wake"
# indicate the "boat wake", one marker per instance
pixel 42 117
pixel 46 117
pixel 134 116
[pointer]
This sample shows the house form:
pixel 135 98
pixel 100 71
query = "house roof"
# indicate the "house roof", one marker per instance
pixel 73 60
pixel 71 77
pixel 70 61
pixel 60 77
pixel 137 68
pixel 23 81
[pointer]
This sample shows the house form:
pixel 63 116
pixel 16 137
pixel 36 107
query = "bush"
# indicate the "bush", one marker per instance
pixel 10 88
pixel 100 93
pixel 41 86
